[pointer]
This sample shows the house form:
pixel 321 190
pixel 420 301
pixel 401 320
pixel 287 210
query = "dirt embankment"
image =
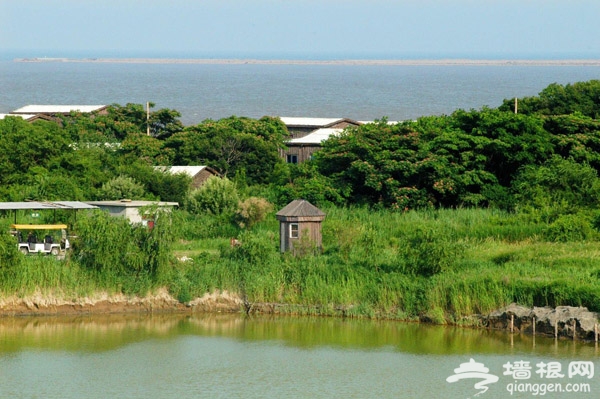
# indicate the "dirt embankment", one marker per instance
pixel 103 303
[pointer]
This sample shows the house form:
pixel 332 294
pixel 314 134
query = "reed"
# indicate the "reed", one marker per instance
pixel 444 265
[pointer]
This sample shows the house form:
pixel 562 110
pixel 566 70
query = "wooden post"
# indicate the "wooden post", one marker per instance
pixel 512 323
pixel 556 329
pixel 574 329
pixel 148 118
pixel 533 325
pixel 596 332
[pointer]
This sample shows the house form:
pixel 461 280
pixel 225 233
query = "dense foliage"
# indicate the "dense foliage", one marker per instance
pixel 397 238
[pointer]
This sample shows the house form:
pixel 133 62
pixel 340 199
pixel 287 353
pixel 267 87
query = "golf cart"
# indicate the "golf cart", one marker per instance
pixel 41 238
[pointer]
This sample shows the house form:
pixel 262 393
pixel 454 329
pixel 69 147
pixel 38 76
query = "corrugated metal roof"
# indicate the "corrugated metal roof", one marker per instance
pixel 74 205
pixel 300 208
pixel 44 205
pixel 309 122
pixel 56 109
pixel 316 137
pixel 131 204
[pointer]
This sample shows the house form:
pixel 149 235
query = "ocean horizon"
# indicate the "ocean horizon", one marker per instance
pixel 7 55
pixel 215 88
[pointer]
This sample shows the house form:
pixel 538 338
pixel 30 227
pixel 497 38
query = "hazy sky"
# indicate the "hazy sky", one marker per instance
pixel 328 28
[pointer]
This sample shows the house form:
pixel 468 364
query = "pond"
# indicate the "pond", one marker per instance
pixel 232 356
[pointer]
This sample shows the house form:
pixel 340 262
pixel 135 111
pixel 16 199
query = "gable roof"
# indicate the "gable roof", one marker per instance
pixel 316 137
pixel 300 208
pixel 315 122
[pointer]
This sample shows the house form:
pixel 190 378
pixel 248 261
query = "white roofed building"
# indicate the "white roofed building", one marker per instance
pixel 55 110
pixel 300 126
pixel 301 149
pixel 308 134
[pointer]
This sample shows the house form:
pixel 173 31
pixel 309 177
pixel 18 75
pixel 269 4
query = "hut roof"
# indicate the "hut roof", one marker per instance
pixel 300 208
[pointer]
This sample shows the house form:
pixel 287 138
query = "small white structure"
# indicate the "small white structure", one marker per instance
pixel 131 209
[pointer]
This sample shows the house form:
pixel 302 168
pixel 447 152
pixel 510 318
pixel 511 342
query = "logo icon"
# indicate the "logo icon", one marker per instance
pixel 474 370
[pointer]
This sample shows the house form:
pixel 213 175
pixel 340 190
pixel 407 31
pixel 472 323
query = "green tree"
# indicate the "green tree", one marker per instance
pixel 232 145
pixel 514 140
pixel 559 186
pixel 149 149
pixel 121 187
pixel 556 99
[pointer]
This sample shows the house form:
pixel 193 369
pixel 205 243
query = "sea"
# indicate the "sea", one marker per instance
pixel 201 91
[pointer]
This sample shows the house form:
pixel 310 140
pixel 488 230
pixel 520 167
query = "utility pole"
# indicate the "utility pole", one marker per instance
pixel 516 105
pixel 148 118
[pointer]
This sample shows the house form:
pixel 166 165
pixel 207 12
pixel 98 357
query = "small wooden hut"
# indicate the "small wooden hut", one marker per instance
pixel 300 226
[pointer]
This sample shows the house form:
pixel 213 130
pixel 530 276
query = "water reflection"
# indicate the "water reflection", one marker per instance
pixel 232 356
pixel 99 333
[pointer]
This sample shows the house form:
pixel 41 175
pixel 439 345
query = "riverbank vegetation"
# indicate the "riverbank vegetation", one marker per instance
pixel 439 218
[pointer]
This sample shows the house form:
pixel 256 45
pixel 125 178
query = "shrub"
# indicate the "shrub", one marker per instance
pixel 427 252
pixel 121 187
pixel 251 211
pixel 217 196
pixel 570 228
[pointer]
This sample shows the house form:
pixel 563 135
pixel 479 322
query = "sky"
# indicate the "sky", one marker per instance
pixel 328 29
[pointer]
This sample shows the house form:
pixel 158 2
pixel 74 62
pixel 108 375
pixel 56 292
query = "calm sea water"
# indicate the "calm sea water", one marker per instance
pixel 360 92
pixel 209 356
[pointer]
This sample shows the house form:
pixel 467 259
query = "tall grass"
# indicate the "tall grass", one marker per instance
pixel 443 265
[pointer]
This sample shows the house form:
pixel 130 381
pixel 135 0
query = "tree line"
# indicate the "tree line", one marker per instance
pixel 546 155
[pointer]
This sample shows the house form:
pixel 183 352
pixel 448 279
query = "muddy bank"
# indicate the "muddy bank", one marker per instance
pixel 40 304
pixel 576 323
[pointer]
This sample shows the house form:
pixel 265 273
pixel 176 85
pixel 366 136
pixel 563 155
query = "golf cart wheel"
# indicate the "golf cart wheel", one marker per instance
pixel 24 250
pixel 54 251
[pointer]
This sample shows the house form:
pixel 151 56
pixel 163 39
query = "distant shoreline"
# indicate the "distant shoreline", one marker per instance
pixel 383 62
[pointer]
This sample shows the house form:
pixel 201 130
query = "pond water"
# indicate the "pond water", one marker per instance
pixel 231 356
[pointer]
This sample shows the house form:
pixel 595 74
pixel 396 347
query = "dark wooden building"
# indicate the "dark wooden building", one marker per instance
pixel 300 227
pixel 307 134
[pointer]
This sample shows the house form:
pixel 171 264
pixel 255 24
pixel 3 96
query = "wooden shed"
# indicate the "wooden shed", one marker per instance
pixel 300 227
